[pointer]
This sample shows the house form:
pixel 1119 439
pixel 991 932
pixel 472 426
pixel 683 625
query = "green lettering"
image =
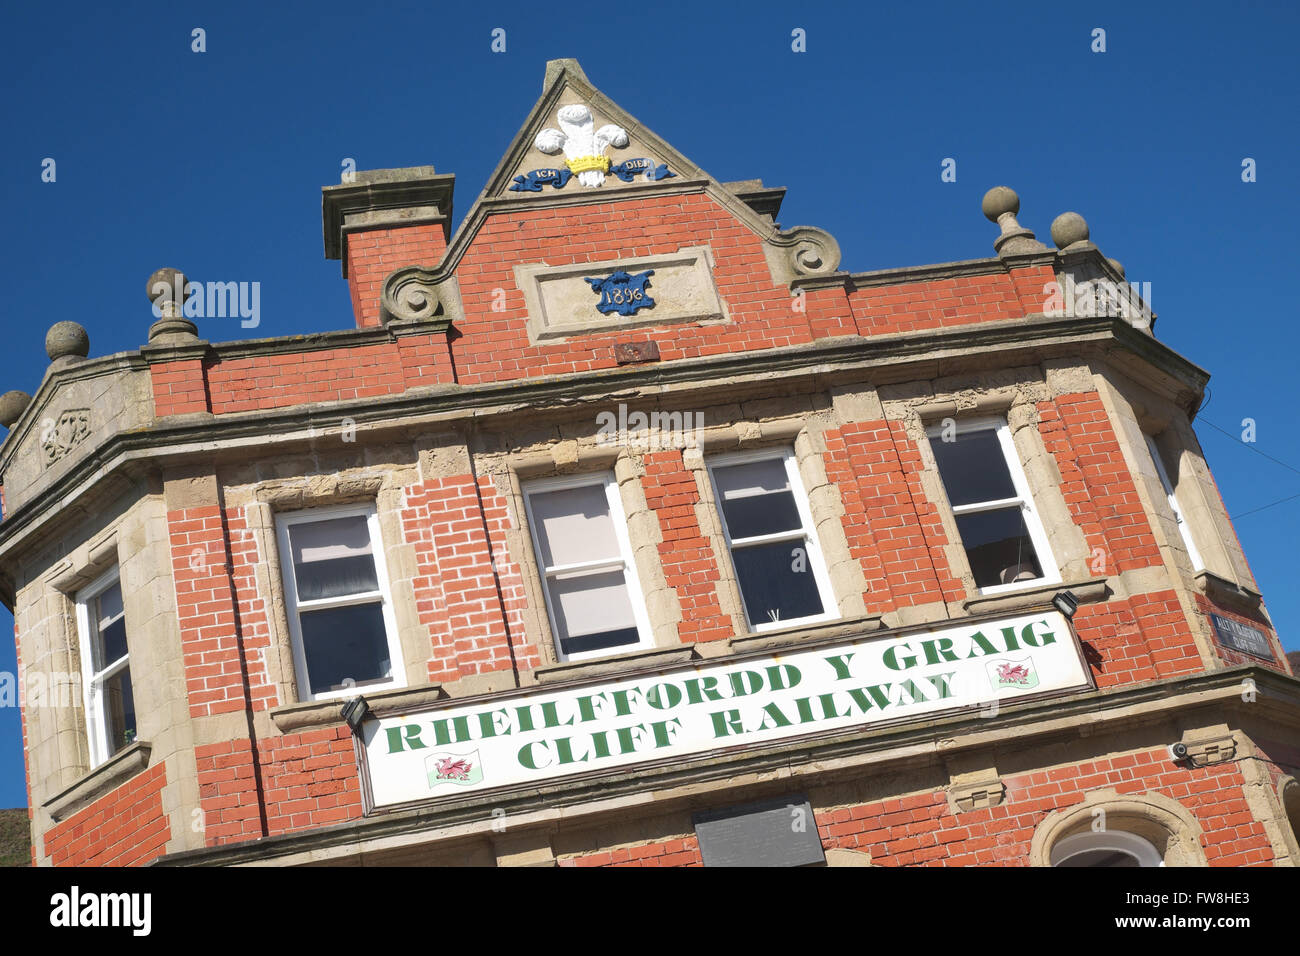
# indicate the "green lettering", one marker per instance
pixel 726 722
pixel 891 658
pixel 664 696
pixel 783 681
pixel 937 649
pixel 526 757
pixel 413 741
pixel 665 730
pixel 443 737
pixel 1029 637
pixel 778 719
pixel 940 682
pixel 739 680
pixel 841 664
pixel 982 644
pixel 700 689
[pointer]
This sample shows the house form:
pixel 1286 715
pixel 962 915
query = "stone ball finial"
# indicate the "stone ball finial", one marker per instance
pixel 1117 266
pixel 167 285
pixel 66 339
pixel 12 406
pixel 1069 228
pixel 999 201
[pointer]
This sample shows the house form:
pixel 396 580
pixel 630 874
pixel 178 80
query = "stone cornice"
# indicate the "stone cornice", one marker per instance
pixel 707 777
pixel 205 436
pixel 360 205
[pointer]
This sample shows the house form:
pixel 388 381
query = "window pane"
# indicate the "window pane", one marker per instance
pixel 1104 858
pixel 574 525
pixel 756 498
pixel 777 581
pixel 111 644
pixel 998 546
pixel 119 711
pixel 592 611
pixel 345 642
pixel 973 468
pixel 333 558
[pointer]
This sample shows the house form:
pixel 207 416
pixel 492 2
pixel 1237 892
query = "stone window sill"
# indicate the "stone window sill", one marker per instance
pixel 826 630
pixel 107 776
pixel 323 713
pixel 1225 592
pixel 1088 591
pixel 656 658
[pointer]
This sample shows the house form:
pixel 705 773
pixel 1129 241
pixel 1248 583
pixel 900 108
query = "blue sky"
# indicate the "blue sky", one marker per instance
pixel 213 162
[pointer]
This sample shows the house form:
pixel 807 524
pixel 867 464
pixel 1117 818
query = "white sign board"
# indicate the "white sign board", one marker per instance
pixel 529 737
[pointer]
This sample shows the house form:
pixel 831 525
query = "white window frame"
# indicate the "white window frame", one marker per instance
pixel 1180 519
pixel 1114 841
pixel 807 531
pixel 92 681
pixel 397 664
pixel 625 560
pixel 1023 498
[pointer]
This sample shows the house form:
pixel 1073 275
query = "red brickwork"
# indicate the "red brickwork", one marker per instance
pixel 455 589
pixel 893 530
pixel 126 827
pixel 921 829
pixel 1097 485
pixel 373 255
pixel 690 566
pixel 206 611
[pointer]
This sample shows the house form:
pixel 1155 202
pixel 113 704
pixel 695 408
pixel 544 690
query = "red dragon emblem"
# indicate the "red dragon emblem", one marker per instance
pixel 1009 673
pixel 449 769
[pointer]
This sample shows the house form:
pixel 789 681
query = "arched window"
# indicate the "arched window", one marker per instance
pixel 1113 848
pixel 1109 829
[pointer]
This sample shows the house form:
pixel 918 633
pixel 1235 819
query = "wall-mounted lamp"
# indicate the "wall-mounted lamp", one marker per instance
pixel 1066 603
pixel 354 712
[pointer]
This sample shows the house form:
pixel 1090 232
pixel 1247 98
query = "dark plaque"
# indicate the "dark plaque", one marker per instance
pixel 780 832
pixel 1242 637
pixel 630 353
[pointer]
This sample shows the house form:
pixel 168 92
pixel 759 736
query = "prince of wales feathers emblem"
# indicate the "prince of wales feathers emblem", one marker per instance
pixel 583 145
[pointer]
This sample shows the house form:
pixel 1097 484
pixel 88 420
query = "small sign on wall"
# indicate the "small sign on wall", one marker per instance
pixel 779 832
pixel 1242 637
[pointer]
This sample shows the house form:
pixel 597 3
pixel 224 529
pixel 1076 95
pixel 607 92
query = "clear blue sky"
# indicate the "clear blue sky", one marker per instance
pixel 213 162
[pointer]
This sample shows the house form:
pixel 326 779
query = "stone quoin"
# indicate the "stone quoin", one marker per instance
pixel 915 551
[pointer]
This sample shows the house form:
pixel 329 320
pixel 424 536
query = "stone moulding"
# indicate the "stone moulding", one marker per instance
pixel 803 251
pixel 683 288
pixel 107 776
pixel 416 294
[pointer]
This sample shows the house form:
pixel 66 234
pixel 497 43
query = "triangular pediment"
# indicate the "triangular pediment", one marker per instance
pixel 577 140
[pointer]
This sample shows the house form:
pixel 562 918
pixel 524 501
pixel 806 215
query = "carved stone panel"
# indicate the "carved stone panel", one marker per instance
pixel 65 433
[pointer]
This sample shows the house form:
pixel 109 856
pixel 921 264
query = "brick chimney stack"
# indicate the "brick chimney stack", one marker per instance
pixel 383 220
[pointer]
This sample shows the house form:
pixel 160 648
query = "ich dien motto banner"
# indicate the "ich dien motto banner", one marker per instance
pixel 532 737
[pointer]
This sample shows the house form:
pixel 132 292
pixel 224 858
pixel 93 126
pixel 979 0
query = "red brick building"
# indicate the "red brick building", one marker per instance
pixel 627 528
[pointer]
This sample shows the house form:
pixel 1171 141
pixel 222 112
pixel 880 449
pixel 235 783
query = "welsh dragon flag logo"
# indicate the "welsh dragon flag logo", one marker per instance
pixel 1017 674
pixel 463 770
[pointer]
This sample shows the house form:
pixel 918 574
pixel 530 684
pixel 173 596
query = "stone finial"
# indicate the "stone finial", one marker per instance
pixel 12 406
pixel 166 290
pixel 1000 205
pixel 1116 265
pixel 66 342
pixel 1068 229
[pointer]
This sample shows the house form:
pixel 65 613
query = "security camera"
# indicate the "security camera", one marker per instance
pixel 1178 752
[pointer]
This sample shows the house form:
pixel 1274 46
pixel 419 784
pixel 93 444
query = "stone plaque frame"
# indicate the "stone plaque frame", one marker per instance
pixel 561 304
